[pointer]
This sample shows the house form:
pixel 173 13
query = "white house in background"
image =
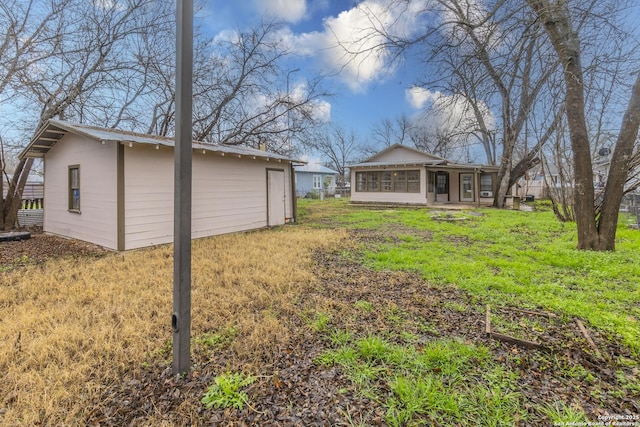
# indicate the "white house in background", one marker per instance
pixel 404 175
pixel 314 177
pixel 115 188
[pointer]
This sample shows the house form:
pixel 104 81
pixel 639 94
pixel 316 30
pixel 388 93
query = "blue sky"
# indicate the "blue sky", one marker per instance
pixel 365 93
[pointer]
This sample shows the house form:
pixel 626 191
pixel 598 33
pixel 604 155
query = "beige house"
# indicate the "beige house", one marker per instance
pixel 404 175
pixel 115 188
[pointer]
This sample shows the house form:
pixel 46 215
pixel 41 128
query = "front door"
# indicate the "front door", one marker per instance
pixel 466 187
pixel 442 186
pixel 275 197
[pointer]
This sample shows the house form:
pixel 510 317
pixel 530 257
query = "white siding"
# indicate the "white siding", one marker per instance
pixel 389 197
pixel 97 222
pixel 229 194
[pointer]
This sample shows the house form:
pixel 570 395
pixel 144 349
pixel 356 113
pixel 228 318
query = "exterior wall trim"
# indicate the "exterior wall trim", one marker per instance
pixel 120 208
pixel 267 186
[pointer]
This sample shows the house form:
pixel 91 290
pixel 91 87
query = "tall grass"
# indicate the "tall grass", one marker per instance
pixel 72 326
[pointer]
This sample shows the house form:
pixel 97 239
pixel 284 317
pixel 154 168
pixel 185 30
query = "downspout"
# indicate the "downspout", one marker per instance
pixel 120 225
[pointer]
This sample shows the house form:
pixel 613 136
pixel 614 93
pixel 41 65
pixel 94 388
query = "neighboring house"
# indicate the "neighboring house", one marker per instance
pixel 30 213
pixel 533 183
pixel 314 177
pixel 404 175
pixel 115 188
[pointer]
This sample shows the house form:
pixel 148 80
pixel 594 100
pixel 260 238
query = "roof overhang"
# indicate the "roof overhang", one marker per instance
pixel 45 138
pixel 386 165
pixel 53 130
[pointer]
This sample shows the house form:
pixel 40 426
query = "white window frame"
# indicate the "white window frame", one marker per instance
pixel 317 182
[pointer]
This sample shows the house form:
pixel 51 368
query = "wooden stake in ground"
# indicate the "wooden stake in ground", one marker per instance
pixel 488 321
pixel 586 335
pixel 508 338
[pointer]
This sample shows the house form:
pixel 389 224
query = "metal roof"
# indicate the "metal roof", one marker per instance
pixel 315 167
pixel 399 163
pixel 442 164
pixel 53 130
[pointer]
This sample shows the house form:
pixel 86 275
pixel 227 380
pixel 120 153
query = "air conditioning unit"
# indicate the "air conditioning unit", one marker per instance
pixel 486 194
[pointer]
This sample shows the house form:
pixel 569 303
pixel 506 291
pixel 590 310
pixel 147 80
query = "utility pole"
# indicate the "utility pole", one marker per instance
pixel 181 318
pixel 289 107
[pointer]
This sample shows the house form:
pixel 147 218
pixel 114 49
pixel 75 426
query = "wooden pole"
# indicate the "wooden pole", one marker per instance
pixel 181 318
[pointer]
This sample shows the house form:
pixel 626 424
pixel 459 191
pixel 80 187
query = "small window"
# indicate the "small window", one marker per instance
pixel 317 182
pixel 74 188
pixel 486 182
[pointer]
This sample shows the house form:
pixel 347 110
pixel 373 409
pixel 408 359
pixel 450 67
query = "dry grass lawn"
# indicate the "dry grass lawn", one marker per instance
pixel 73 326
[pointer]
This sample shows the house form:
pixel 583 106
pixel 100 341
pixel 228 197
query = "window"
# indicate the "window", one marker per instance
pixel 317 182
pixel 389 181
pixel 74 188
pixel 400 182
pixel 361 181
pixel 372 181
pixel 432 182
pixel 413 181
pixel 442 183
pixel 486 182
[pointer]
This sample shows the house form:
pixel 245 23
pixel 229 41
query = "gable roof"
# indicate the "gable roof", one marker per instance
pixel 395 147
pixel 53 130
pixel 389 158
pixel 315 167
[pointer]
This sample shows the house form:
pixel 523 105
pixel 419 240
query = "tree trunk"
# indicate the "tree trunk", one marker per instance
pixel 566 43
pixel 14 195
pixel 583 188
pixel 618 171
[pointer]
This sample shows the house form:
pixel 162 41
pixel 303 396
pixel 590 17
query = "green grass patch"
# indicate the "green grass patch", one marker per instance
pixel 446 382
pixel 226 391
pixel 526 259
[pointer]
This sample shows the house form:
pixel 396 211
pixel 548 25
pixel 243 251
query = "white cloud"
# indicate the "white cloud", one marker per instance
pixel 352 45
pixel 286 10
pixel 109 4
pixel 418 96
pixel 318 108
pixel 304 44
pixel 322 111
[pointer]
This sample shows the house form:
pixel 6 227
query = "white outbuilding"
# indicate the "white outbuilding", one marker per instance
pixel 115 188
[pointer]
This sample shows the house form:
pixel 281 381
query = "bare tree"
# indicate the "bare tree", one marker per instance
pixel 245 96
pixel 90 71
pixel 596 227
pixel 111 64
pixel 29 36
pixel 391 131
pixel 490 53
pixel 340 147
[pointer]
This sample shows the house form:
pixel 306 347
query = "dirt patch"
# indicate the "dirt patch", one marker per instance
pixel 42 247
pixel 293 390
